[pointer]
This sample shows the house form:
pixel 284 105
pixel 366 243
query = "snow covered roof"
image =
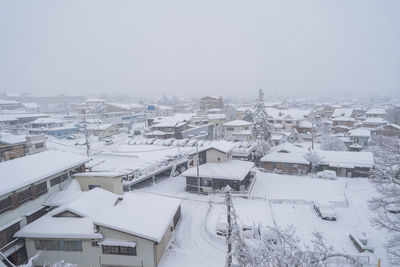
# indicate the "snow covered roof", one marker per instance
pixel 343 118
pixel 99 174
pixel 243 133
pixel 342 112
pixel 287 114
pixel 374 121
pixel 157 132
pixel 293 157
pixel 216 116
pixel 169 122
pixel 238 123
pixel 223 146
pixel 305 124
pixel 11 139
pixel 101 127
pixel 6 118
pixel 26 170
pixel 276 136
pixel 229 170
pixel 360 132
pixel 394 126
pixel 30 105
pixel 347 159
pixel 149 215
pixel 376 111
pixel 54 225
pixel 46 121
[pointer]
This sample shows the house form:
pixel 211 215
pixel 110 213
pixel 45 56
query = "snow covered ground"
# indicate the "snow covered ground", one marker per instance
pixel 197 243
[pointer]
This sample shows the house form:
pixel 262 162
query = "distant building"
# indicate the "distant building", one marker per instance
pixel 103 130
pixel 343 121
pixel 375 113
pixel 238 130
pixel 211 102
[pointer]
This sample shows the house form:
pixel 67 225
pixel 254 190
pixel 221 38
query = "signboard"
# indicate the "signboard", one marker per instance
pixel 151 108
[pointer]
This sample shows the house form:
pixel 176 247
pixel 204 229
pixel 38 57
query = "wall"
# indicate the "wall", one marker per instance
pixel 89 256
pixel 144 249
pixel 212 155
pixel 108 183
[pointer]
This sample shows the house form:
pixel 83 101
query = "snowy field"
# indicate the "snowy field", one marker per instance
pixel 197 244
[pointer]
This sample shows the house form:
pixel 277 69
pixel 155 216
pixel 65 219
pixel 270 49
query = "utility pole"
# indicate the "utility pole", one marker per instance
pixel 197 166
pixel 229 232
pixel 86 133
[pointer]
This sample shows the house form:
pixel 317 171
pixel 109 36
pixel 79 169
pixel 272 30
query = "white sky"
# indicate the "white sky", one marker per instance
pixel 183 47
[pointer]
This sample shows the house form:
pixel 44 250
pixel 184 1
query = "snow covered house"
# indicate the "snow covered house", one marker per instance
pixel 12 146
pixel 390 130
pixel 238 130
pixel 278 138
pixel 46 123
pixel 287 119
pixel 343 121
pixel 375 113
pixel 291 159
pixel 360 136
pixel 216 119
pixel 102 130
pixel 343 112
pixel 374 122
pixel 26 183
pixel 304 127
pixel 211 102
pixel 220 151
pixel 168 128
pixel 110 181
pixel 214 176
pixel 100 228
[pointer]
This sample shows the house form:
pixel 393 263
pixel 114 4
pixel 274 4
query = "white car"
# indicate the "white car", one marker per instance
pixel 326 213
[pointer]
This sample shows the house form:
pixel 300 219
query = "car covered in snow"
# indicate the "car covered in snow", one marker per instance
pixel 325 212
pixel 327 174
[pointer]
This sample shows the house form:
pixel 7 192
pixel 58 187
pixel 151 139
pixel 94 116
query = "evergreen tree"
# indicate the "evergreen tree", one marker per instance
pixel 261 129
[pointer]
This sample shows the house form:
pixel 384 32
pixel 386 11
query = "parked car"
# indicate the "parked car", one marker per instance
pixel 137 132
pixel 325 212
pixel 71 137
pixel 109 142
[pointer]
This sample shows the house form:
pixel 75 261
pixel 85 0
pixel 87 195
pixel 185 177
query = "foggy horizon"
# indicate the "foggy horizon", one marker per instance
pixel 224 48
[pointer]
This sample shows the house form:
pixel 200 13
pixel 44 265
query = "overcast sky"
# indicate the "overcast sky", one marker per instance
pixel 193 48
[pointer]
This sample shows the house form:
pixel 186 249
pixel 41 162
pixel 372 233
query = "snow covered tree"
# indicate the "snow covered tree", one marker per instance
pixel 386 178
pixel 333 144
pixel 315 160
pixel 281 247
pixel 261 128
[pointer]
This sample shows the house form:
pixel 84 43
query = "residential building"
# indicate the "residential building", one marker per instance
pixel 102 130
pixel 343 121
pixel 217 119
pixel 376 113
pixel 217 175
pixel 238 130
pixel 101 228
pixel 211 102
pixel 26 183
pixel 390 130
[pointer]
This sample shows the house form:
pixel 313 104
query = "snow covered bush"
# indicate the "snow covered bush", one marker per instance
pixel 327 174
pixel 333 144
pixel 261 129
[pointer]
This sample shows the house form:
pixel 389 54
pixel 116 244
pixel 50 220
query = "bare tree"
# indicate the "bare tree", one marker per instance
pixel 386 179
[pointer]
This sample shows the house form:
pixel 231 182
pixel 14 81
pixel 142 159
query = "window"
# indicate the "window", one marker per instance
pixel 41 188
pixel 58 179
pixel 63 245
pixel 7 235
pixel 91 186
pixel 119 250
pixel 24 196
pixel 39 145
pixel 36 215
pixel 219 159
pixel 95 244
pixel 230 128
pixel 5 205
